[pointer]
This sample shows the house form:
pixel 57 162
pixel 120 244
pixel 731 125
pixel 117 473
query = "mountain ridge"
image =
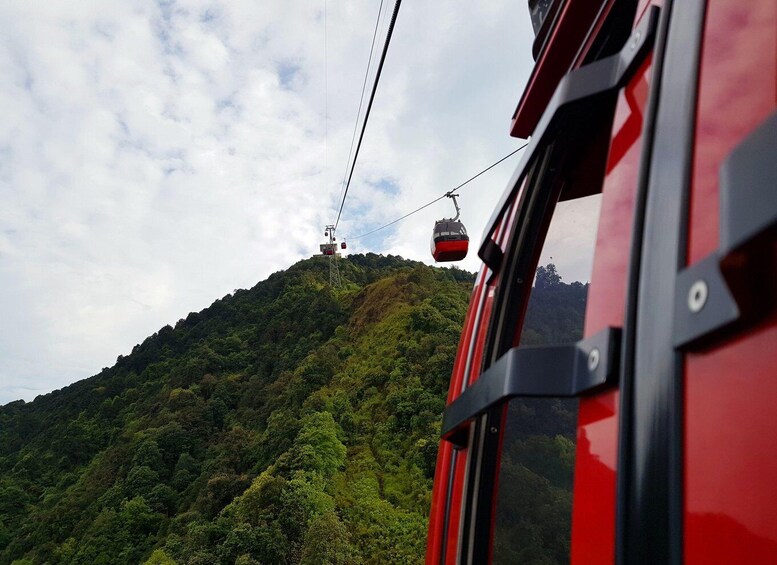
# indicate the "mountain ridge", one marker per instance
pixel 290 423
pixel 233 405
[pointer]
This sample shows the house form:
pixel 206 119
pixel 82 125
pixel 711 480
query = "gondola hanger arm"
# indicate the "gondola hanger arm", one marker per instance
pixel 455 203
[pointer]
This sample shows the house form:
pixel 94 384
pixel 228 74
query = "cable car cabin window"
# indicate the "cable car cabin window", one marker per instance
pixel 533 512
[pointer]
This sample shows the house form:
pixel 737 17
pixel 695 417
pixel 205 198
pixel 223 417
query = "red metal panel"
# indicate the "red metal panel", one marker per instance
pixel 473 323
pixel 454 519
pixel 445 452
pixel 737 90
pixel 731 387
pixel 460 468
pixel 437 511
pixel 731 464
pixel 593 513
pixel 607 295
pixel 473 337
pixel 479 339
pixel 593 510
pixel 444 469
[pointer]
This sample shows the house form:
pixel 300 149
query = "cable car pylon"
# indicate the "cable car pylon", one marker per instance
pixel 329 249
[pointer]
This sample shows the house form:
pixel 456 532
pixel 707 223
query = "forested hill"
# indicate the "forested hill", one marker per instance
pixel 289 423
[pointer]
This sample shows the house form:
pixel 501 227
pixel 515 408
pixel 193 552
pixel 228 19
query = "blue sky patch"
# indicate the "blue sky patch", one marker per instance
pixel 287 73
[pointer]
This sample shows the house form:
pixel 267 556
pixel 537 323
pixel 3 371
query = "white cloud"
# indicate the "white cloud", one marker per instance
pixel 156 155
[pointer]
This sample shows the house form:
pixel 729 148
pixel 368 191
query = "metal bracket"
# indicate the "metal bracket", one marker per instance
pixel 748 188
pixel 545 371
pixel 705 301
pixel 595 79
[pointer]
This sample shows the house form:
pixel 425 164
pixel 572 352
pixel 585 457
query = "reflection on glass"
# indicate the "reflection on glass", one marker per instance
pixel 534 502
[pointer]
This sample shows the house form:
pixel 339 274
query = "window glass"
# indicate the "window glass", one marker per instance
pixel 539 10
pixel 534 499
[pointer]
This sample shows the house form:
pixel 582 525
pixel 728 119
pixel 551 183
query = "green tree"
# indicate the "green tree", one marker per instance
pixel 547 277
pixel 328 541
pixel 159 557
pixel 149 455
pixel 140 481
pixel 318 448
pixel 223 439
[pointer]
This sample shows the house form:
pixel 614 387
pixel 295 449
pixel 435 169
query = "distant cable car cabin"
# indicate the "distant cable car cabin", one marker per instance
pixel 450 241
pixel 329 248
pixel 343 245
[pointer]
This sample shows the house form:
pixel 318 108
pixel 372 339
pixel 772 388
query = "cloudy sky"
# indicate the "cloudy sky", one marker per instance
pixel 157 155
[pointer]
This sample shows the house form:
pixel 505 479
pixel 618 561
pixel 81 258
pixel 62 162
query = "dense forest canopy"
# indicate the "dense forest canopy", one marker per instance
pixel 291 423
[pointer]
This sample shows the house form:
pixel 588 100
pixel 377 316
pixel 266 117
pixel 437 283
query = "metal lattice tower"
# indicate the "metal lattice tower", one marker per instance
pixel 334 269
pixel 334 272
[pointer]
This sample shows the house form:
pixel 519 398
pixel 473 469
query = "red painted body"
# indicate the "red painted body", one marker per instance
pixel 449 241
pixel 731 386
pixel 593 541
pixel 449 473
pixel 729 479
pixel 451 250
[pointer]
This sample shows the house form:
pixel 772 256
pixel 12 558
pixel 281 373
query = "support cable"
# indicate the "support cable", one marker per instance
pixel 369 106
pixel 326 97
pixel 445 195
pixel 361 100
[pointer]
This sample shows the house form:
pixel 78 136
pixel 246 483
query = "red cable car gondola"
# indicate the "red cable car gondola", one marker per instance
pixel 450 241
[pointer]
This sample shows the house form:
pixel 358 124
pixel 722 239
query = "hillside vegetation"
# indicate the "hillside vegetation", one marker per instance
pixel 291 423
pixel 288 423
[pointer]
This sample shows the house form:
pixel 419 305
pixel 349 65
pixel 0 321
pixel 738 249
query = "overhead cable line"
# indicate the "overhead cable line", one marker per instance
pixel 444 195
pixel 369 106
pixel 326 97
pixel 361 99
